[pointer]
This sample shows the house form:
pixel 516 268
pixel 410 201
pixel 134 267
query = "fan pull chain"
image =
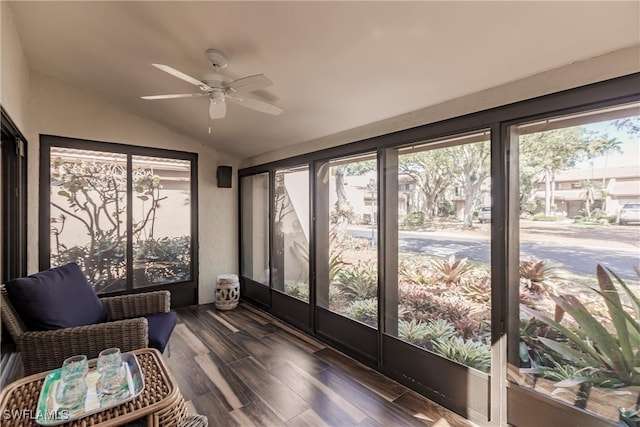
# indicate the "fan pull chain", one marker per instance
pixel 210 120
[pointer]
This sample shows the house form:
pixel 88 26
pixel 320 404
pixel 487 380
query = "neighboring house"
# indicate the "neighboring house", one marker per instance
pixel 621 185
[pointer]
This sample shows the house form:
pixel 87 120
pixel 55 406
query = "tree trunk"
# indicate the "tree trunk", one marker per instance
pixel 342 204
pixel 552 206
pixel 547 192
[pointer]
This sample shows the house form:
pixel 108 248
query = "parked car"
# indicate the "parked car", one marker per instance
pixel 484 214
pixel 630 212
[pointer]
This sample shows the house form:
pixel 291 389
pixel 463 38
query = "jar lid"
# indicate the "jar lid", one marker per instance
pixel 227 278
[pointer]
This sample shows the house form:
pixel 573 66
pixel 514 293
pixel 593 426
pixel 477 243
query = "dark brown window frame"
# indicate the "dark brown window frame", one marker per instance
pixel 14 202
pixel 183 292
pixel 524 406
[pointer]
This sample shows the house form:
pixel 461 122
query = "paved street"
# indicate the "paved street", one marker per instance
pixel 577 249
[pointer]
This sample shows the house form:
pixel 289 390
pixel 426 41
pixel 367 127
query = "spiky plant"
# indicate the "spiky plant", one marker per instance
pixel 614 355
pixel 451 270
pixel 364 310
pixel 297 289
pixel 360 281
pixel 478 290
pixel 412 331
pixel 414 273
pixel 439 329
pixel 540 276
pixel 470 353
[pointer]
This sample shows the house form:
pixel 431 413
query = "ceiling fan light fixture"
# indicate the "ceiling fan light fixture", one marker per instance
pixel 217 96
pixel 219 88
pixel 217 107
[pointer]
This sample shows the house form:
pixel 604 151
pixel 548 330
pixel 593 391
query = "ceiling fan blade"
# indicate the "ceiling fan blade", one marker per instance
pixel 182 76
pixel 217 109
pixel 249 84
pixel 176 95
pixel 255 104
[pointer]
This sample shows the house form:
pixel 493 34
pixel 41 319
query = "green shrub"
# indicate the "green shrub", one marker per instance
pixel 360 281
pixel 543 217
pixel 364 310
pixel 414 219
pixel 412 331
pixel 439 329
pixel 297 289
pixel 470 353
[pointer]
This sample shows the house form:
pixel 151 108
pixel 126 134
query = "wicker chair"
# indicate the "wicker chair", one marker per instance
pixel 126 329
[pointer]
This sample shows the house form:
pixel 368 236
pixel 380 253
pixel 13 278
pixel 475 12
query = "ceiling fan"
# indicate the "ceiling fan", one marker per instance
pixel 218 90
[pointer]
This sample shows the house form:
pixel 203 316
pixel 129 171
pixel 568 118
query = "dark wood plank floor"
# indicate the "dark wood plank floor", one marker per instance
pixel 244 367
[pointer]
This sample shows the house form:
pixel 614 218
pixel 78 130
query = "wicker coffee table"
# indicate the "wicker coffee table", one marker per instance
pixel 159 404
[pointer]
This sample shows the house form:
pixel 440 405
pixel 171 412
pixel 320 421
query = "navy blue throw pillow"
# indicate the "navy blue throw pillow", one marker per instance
pixel 57 298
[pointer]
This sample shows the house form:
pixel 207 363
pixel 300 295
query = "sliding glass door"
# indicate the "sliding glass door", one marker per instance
pixel 347 252
pixel 254 238
pixel 275 242
pixel 438 267
pixel 290 250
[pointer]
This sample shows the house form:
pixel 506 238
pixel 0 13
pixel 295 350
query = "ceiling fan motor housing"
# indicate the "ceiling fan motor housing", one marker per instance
pixel 217 59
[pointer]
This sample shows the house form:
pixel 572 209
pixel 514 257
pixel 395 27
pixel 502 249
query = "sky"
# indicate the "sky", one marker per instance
pixel 630 155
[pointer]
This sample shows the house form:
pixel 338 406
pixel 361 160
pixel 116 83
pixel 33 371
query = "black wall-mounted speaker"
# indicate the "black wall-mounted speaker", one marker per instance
pixel 224 176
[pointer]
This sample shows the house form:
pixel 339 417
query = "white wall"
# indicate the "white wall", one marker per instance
pixel 604 67
pixel 14 74
pixel 57 108
pixel 39 104
pixel 14 71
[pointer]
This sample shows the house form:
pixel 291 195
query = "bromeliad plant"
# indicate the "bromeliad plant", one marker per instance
pixel 471 353
pixel 451 270
pixel 359 281
pixel 540 276
pixel 613 355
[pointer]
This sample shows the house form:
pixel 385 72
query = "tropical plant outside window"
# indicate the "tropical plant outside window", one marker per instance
pixel 89 217
pixel 161 210
pixel 291 232
pixel 439 278
pixel 579 277
pixel 349 197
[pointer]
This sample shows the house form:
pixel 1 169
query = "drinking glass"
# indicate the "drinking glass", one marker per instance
pixel 72 389
pixel 109 366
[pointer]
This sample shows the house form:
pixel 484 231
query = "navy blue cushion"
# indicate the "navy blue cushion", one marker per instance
pixel 160 327
pixel 57 298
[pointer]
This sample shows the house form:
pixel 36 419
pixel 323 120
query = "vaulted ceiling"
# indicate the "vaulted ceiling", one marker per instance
pixel 334 65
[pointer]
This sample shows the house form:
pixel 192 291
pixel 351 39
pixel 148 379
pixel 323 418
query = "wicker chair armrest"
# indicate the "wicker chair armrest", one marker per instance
pixel 137 305
pixel 45 350
pixel 10 319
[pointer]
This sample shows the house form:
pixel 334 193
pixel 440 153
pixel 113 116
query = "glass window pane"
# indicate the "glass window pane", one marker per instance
pixel 88 214
pixel 161 211
pixel 255 228
pixel 579 225
pixel 291 232
pixel 347 247
pixel 438 284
